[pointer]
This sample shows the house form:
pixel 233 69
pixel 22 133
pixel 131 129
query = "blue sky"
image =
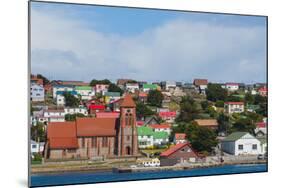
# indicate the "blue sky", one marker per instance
pixel 84 42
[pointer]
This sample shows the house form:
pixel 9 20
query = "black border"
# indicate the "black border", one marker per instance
pixel 132 7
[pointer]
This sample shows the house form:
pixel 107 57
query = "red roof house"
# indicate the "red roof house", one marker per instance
pixel 179 153
pixel 263 91
pixel 180 138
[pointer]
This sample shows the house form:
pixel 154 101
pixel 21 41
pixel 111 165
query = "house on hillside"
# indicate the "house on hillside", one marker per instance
pixel 101 88
pixel 161 128
pixel 263 91
pixel 233 107
pixel 111 96
pixel 149 138
pixel 148 87
pixel 200 85
pixel 36 147
pixel 179 153
pixel 37 92
pixel 132 87
pixel 232 86
pixel 54 115
pixel 168 117
pixel 241 143
pixel 210 123
pixel 79 110
pixel 59 89
pixel 261 129
pixel 179 138
pixel 86 92
pixel 142 96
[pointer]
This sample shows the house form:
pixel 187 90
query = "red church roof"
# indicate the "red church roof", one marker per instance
pixel 107 114
pixel 128 101
pixel 62 135
pixel 96 126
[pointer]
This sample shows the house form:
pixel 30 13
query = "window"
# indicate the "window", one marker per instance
pixel 33 146
pixel 104 141
pixel 94 142
pixel 71 150
pixel 128 138
pixel 254 146
pixel 240 147
pixel 83 142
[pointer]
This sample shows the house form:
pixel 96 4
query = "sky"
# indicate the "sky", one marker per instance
pixel 83 42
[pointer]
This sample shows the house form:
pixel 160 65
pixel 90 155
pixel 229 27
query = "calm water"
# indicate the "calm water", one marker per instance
pixel 97 177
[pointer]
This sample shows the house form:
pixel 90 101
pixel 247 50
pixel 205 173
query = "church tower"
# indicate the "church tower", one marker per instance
pixel 127 134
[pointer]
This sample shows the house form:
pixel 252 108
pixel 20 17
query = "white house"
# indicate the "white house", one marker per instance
pixel 37 92
pixel 241 143
pixel 80 110
pixel 132 87
pixel 101 88
pixel 54 115
pixel 161 128
pixel 36 147
pixel 201 85
pixel 170 85
pixel 60 100
pixel 232 86
pixel 233 107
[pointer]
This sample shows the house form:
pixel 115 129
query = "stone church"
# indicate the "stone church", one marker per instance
pixel 90 138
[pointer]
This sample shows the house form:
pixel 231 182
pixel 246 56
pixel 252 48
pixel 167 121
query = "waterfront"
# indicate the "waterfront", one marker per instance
pixel 98 177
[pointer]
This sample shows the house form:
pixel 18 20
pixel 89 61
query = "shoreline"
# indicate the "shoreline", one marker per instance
pixel 94 169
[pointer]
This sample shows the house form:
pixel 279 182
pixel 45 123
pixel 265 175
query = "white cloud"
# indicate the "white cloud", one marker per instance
pixel 177 50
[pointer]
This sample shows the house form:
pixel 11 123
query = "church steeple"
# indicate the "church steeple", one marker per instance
pixel 128 143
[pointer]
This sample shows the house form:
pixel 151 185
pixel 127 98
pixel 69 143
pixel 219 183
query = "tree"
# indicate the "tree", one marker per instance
pixel 38 132
pixel 95 82
pixel 244 124
pixel 114 88
pixel 202 139
pixel 189 110
pixel 70 100
pixel 204 105
pixel 45 80
pixel 224 123
pixel 143 111
pixel 72 117
pixel 219 103
pixel 260 99
pixel 249 98
pixel 233 98
pixel 155 98
pixel 215 92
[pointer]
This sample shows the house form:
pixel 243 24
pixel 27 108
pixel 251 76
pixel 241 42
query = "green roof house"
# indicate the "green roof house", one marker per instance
pixel 147 87
pixel 86 92
pixel 148 138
